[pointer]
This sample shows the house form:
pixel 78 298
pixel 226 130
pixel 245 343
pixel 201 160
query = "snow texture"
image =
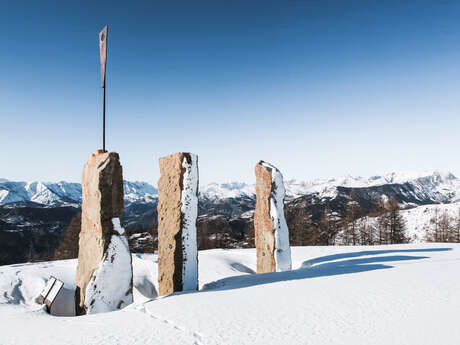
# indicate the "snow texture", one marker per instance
pixel 282 247
pixel 110 287
pixel 189 211
pixel 335 295
pixel 117 226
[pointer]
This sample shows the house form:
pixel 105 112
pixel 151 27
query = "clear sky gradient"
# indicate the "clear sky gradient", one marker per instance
pixel 319 88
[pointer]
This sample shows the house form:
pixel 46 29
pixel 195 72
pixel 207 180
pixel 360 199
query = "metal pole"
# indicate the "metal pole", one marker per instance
pixel 103 123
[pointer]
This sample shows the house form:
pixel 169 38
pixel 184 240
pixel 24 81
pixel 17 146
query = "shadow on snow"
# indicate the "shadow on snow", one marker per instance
pixel 321 267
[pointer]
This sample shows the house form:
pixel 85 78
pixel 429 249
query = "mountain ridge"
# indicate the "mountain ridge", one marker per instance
pixel 41 221
pixel 443 187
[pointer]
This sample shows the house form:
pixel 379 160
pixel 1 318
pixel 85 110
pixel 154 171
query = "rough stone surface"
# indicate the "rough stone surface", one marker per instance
pixel 102 200
pixel 263 226
pixel 172 224
pixel 270 227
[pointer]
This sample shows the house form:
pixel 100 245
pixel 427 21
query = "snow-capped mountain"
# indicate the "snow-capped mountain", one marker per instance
pixel 66 193
pixel 40 192
pixel 139 192
pixel 434 186
pixel 227 190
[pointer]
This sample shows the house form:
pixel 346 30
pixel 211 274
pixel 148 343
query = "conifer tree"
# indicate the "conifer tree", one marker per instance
pixel 350 230
pixel 328 227
pixel 455 230
pixel 445 226
pixel 397 223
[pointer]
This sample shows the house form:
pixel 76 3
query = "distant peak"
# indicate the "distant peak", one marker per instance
pixel 407 176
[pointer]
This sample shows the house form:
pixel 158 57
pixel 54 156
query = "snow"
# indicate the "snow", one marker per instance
pixel 3 194
pixel 227 190
pixel 145 277
pixel 45 193
pixel 110 287
pixel 401 294
pixel 66 193
pixel 248 214
pixel 139 191
pixel 418 219
pixel 117 226
pixel 441 186
pixel 282 248
pixel 189 209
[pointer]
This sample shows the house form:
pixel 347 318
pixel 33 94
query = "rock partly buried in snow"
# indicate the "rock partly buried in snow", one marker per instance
pixel 177 213
pixel 104 273
pixel 271 231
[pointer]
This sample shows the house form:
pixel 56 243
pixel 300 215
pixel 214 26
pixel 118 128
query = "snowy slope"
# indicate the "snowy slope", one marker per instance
pixel 418 219
pixel 406 294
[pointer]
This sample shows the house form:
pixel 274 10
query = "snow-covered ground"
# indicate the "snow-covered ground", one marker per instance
pixel 402 294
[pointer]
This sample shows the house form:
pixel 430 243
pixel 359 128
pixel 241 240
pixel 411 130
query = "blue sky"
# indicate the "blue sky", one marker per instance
pixel 319 88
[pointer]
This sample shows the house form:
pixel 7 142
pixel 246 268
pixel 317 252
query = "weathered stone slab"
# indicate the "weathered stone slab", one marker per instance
pixel 271 231
pixel 177 213
pixel 104 271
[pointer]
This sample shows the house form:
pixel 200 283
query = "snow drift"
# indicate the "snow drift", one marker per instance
pixel 380 295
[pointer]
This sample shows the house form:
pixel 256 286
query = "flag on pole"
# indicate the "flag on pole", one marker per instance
pixel 103 52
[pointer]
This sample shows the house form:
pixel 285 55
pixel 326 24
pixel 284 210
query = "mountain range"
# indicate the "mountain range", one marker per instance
pixel 41 220
pixel 435 186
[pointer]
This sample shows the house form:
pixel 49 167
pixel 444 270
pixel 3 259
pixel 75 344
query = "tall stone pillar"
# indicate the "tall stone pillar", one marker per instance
pixel 271 230
pixel 177 213
pixel 104 273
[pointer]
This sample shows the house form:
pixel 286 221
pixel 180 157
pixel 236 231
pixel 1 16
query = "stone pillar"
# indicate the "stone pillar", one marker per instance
pixel 177 213
pixel 104 278
pixel 270 227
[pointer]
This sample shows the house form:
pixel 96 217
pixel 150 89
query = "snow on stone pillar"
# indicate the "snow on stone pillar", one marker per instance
pixel 104 273
pixel 177 213
pixel 271 231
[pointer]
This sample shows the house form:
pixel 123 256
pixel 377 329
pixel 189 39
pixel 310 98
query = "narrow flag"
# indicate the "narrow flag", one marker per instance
pixel 103 52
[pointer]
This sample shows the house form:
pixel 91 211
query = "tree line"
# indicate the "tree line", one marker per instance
pixel 442 227
pixel 383 225
pixel 354 225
